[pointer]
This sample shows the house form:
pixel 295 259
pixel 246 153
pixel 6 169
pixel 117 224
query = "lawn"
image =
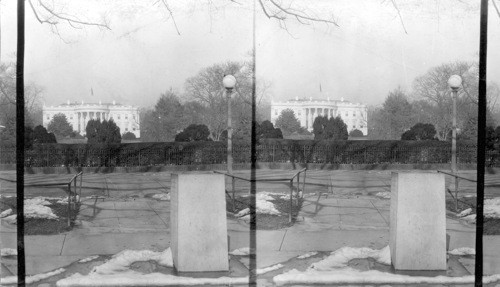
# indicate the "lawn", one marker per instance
pixel 41 226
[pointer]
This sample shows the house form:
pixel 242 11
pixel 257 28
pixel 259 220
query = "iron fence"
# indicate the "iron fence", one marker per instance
pixel 210 153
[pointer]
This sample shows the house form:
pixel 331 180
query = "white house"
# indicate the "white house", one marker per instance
pixel 79 114
pixel 306 110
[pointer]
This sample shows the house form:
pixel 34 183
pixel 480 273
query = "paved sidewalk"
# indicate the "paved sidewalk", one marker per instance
pixel 131 219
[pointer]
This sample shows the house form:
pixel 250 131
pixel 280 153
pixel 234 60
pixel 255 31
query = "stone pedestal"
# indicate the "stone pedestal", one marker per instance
pixel 418 221
pixel 198 222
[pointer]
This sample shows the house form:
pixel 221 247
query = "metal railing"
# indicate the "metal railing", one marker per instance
pixel 457 179
pixel 210 153
pixel 290 180
pixel 73 196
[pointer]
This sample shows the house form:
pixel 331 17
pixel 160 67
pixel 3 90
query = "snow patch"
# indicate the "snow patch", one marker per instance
pixel 11 219
pixel 463 251
pixel 117 272
pixel 65 200
pixel 269 269
pixel 264 206
pixel 88 259
pixel 465 212
pixel 307 255
pixel 241 251
pixel 6 213
pixel 8 252
pixel 33 208
pixel 36 201
pixel 38 211
pixel 132 278
pixel 264 195
pixel 470 218
pixel 384 194
pixel 243 212
pixel 121 261
pixel 31 279
pixel 340 258
pixel 492 208
pixel 352 276
pixel 162 196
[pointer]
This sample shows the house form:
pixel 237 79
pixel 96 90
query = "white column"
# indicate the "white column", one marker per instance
pixel 309 116
pixel 75 121
pixel 313 115
pixel 303 118
pixel 80 119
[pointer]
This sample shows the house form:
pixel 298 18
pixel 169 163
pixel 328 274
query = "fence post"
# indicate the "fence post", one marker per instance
pixel 74 184
pixel 291 201
pixel 304 183
pixel 69 204
pixel 81 179
pixel 298 185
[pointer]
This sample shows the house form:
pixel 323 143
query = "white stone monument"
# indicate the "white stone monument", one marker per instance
pixel 418 221
pixel 198 222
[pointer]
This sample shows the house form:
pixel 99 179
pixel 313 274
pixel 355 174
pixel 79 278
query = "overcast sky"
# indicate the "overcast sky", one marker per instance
pixel 367 56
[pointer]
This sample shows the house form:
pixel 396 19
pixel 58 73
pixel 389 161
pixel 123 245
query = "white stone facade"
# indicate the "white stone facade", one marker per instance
pixel 354 115
pixel 79 114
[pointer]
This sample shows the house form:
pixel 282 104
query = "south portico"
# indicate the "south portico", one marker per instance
pixel 79 114
pixel 306 110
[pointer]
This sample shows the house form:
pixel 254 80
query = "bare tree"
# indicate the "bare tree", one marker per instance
pixel 8 99
pixel 206 87
pixel 433 88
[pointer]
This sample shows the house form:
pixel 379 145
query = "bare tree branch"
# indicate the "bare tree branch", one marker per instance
pixel 282 12
pixel 38 17
pixel 165 3
pixel 55 17
pixel 496 7
pixel 399 14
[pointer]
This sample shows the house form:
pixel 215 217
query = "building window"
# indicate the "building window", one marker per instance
pixel 48 117
pixel 275 112
pixel 133 129
pixel 353 126
pixel 126 129
pixel 361 126
pixel 126 117
pixel 118 116
pixel 346 114
pixel 133 116
pixel 353 114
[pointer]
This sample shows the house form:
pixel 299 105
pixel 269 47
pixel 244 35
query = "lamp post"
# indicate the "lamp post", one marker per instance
pixel 229 82
pixel 455 81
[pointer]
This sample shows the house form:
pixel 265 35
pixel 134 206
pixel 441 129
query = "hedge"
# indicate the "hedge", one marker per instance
pixel 210 152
